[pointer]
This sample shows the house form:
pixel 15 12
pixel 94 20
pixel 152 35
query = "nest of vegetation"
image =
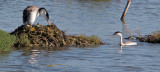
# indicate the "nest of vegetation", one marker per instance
pixel 153 38
pixel 50 35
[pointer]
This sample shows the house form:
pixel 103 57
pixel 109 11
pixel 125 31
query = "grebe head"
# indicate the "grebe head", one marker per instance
pixel 117 33
pixel 45 13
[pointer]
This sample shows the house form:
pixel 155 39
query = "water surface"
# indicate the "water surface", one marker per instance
pixel 89 17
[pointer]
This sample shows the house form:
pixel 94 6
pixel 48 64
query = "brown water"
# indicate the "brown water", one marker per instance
pixel 89 17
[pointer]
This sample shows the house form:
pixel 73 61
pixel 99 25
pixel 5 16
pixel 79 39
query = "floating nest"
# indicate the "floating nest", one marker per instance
pixel 51 36
pixel 152 38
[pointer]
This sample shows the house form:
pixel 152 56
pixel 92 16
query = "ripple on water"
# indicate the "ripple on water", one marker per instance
pixel 89 17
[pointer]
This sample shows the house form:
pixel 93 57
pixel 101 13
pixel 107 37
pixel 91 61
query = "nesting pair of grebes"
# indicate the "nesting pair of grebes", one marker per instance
pixel 32 12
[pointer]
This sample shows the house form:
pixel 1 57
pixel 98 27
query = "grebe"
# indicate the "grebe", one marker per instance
pixel 32 12
pixel 126 42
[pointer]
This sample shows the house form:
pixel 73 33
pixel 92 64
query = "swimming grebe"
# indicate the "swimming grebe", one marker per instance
pixel 121 41
pixel 32 12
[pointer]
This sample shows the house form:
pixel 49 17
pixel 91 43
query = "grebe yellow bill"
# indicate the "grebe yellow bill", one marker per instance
pixel 32 12
pixel 121 39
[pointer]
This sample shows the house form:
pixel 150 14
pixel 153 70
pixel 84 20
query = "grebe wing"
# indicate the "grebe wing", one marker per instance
pixel 26 14
pixel 27 11
pixel 127 42
pixel 130 43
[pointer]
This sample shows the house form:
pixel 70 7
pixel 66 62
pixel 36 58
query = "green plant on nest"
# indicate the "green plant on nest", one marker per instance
pixel 6 41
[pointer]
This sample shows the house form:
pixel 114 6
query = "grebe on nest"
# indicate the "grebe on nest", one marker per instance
pixel 32 12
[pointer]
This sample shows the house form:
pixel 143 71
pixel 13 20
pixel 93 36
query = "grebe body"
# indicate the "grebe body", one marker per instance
pixel 32 12
pixel 121 39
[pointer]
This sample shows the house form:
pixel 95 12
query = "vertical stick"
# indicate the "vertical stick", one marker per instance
pixel 125 10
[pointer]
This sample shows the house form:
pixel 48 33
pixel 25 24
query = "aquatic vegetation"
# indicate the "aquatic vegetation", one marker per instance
pixel 51 36
pixel 83 40
pixel 6 41
pixel 50 65
pixel 153 38
pixel 22 41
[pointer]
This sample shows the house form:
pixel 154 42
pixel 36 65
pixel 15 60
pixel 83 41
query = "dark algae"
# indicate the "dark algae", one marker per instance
pixel 152 38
